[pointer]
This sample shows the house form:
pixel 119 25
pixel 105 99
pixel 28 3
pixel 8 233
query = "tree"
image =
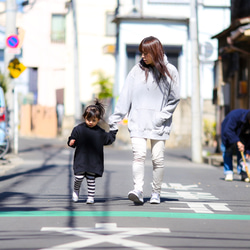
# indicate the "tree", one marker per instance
pixel 3 82
pixel 104 83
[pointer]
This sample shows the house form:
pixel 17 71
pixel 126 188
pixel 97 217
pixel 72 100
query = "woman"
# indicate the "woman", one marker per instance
pixel 149 97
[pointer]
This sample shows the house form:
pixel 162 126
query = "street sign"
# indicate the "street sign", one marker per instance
pixel 16 68
pixel 12 41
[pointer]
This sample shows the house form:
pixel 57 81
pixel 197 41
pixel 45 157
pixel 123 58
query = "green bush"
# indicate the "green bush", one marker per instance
pixel 105 85
pixel 209 129
pixel 3 82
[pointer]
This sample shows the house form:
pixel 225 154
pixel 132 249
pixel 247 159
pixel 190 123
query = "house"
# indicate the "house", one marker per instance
pixel 65 42
pixel 231 90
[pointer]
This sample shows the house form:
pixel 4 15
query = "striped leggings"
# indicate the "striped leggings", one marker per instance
pixel 90 183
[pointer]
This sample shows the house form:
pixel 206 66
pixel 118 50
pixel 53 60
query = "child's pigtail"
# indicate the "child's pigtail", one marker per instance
pixel 100 107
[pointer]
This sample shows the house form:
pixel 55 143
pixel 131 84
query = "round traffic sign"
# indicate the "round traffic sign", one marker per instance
pixel 12 41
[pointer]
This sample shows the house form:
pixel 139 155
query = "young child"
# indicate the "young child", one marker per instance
pixel 88 139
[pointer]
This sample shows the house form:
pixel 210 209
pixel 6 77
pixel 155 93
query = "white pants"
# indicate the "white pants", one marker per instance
pixel 139 146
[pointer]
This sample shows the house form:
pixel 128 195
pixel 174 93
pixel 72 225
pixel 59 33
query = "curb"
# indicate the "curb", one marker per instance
pixel 10 161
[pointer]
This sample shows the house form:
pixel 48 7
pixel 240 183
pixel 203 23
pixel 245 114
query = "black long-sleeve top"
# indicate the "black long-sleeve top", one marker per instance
pixel 89 148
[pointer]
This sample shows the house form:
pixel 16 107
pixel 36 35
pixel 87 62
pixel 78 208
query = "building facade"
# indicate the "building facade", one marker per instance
pixel 67 41
pixel 168 20
pixel 231 90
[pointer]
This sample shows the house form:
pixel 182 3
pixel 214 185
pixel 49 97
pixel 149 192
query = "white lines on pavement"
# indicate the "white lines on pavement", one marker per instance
pixel 190 192
pixel 201 207
pixel 179 186
pixel 189 195
pixel 185 192
pixel 116 236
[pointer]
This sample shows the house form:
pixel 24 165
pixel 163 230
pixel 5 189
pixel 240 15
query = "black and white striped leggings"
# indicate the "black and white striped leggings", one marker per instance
pixel 90 184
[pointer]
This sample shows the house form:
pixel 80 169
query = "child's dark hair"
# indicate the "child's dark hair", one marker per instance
pixel 97 110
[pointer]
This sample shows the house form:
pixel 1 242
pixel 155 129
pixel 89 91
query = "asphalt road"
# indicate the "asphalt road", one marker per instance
pixel 199 210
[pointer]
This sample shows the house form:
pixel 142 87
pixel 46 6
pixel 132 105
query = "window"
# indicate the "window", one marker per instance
pixel 33 75
pixel 58 28
pixel 133 56
pixel 110 27
pixel 1 54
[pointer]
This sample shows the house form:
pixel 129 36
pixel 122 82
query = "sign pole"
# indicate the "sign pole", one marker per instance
pixel 16 120
pixel 10 29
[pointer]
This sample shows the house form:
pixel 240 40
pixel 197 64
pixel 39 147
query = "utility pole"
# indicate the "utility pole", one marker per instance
pixel 10 30
pixel 76 65
pixel 196 104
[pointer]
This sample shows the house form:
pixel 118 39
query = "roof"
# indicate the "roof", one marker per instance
pixel 236 38
pixel 234 25
pixel 137 17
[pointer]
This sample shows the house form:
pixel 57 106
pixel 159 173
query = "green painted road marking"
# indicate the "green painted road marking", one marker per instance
pixel 125 214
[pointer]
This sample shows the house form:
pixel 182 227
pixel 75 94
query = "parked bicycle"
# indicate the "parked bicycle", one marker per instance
pixel 4 135
pixel 4 142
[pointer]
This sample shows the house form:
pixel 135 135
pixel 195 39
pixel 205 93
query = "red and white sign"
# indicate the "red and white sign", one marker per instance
pixel 12 41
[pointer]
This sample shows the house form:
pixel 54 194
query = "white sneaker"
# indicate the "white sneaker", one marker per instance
pixel 90 200
pixel 247 180
pixel 229 177
pixel 75 196
pixel 155 198
pixel 136 197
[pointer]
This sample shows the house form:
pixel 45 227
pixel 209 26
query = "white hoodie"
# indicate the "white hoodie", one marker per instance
pixel 149 107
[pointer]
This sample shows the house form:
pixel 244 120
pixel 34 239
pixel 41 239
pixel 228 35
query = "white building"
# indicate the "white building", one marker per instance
pixel 168 20
pixel 49 47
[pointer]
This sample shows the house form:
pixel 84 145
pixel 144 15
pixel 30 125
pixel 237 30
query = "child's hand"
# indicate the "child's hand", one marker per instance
pixel 72 142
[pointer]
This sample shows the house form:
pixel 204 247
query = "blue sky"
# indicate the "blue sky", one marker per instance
pixel 18 3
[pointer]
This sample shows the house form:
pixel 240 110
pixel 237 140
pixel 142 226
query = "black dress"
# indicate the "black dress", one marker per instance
pixel 89 148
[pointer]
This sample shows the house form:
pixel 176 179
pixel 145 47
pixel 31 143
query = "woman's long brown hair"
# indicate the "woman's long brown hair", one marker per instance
pixel 154 47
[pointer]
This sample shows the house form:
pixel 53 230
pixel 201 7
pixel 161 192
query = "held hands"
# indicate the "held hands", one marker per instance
pixel 240 146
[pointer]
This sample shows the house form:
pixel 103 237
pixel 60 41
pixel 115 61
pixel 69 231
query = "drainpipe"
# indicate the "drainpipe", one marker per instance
pixel 117 65
pixel 76 65
pixel 196 110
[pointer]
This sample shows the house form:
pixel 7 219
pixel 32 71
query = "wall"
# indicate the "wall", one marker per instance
pixel 37 120
pixel 38 50
pixel 182 125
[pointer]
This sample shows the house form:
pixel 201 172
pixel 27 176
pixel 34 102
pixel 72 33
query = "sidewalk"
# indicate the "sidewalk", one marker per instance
pixel 12 160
